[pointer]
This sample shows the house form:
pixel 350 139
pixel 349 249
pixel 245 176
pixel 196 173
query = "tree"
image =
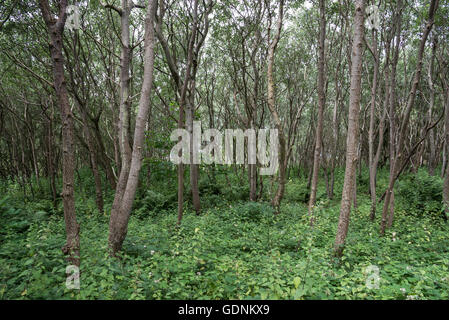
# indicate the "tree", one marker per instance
pixel 446 175
pixel 373 159
pixel 399 158
pixel 446 141
pixel 185 87
pixel 126 153
pixel 321 106
pixel 276 201
pixel 55 28
pixel 118 225
pixel 353 127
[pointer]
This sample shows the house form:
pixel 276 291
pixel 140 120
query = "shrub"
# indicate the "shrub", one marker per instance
pixel 297 191
pixel 253 211
pixel 152 202
pixel 421 193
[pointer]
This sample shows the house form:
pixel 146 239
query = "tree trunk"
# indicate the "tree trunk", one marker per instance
pixel 372 159
pixel 271 105
pixel 411 100
pixel 93 159
pixel 446 138
pixel 353 127
pixel 321 106
pixel 103 157
pixel 55 30
pixel 392 103
pixel 118 226
pixel 194 167
pixel 432 154
pixel 123 126
pixel 186 101
pixel 334 140
pixel 50 157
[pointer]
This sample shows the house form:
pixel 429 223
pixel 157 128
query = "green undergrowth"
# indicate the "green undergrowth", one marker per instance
pixel 235 249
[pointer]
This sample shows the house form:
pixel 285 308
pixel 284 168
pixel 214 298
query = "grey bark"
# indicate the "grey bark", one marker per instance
pixel 353 127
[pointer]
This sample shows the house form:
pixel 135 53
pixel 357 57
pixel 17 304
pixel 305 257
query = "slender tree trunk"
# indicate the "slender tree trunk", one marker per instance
pixel 55 30
pixel 411 100
pixel 445 153
pixel 118 226
pixel 50 158
pixel 381 134
pixel 186 106
pixel 123 126
pixel 372 163
pixel 432 154
pixel 103 157
pixel 187 102
pixel 252 115
pixel 334 140
pixel 194 167
pixel 353 127
pixel 446 138
pixel 391 214
pixel 252 176
pixel 93 159
pixel 392 103
pixel 335 122
pixel 321 106
pixel 180 192
pixel 271 105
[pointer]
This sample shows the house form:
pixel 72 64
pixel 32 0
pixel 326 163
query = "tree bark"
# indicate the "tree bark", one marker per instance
pixel 55 30
pixel 192 61
pixel 276 201
pixel 392 102
pixel 446 138
pixel 321 106
pixel 372 158
pixel 432 153
pixel 118 226
pixel 353 127
pixel 123 125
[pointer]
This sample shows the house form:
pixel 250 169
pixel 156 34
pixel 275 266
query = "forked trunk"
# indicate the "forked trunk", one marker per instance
pixel 118 226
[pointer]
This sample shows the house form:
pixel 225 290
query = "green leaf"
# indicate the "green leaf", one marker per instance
pixel 296 281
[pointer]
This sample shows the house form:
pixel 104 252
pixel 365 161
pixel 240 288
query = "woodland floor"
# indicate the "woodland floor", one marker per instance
pixel 234 250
